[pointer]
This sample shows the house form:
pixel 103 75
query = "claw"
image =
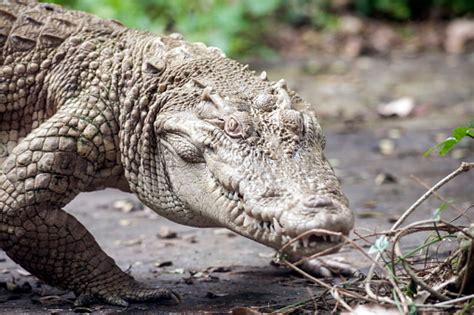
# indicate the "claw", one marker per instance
pixel 116 300
pixel 84 300
pixel 329 267
pixel 175 297
pixel 131 292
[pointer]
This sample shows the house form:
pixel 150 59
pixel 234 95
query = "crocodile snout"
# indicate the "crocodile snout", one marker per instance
pixel 317 201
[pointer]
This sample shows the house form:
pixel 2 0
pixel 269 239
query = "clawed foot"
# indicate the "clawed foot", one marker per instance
pixel 329 267
pixel 132 292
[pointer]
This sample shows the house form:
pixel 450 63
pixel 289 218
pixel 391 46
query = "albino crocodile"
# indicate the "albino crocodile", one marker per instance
pixel 86 103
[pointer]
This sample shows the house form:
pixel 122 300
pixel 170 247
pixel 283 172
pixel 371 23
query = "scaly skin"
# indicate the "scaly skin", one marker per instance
pixel 86 103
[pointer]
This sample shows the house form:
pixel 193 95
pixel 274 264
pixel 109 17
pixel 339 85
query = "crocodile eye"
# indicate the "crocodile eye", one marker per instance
pixel 232 127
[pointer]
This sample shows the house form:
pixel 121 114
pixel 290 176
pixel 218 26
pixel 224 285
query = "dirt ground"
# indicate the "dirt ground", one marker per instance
pixel 215 270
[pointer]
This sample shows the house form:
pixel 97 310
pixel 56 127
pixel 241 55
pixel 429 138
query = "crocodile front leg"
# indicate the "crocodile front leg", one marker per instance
pixel 46 171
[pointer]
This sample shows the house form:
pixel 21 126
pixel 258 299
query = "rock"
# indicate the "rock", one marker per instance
pixel 166 233
pixel 458 33
pixel 401 107
pixel 353 47
pixel 190 239
pixel 386 146
pixel 394 133
pixel 127 205
pixel 383 38
pixel 226 232
pixel 124 222
pixel 385 178
pixel 163 264
pixel 178 271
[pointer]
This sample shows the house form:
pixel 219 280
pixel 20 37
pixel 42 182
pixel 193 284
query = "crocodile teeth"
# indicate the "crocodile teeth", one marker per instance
pixel 235 212
pixel 335 238
pixel 240 219
pixel 295 246
pixel 305 241
pixel 247 221
pixel 235 185
pixel 277 226
pixel 236 196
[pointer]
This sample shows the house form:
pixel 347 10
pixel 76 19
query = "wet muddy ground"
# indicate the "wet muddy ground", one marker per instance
pixel 215 270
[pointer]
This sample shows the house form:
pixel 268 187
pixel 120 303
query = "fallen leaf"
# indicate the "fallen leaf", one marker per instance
pixel 402 107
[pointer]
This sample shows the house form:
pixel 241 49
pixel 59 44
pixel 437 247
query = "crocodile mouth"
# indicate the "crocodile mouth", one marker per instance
pixel 267 229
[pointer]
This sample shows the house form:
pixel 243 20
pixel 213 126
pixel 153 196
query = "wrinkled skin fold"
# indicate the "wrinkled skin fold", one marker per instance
pixel 253 163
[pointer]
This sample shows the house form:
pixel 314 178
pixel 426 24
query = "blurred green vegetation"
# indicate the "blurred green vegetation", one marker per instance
pixel 245 26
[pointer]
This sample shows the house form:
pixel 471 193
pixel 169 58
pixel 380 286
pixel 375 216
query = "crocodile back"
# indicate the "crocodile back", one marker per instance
pixel 38 42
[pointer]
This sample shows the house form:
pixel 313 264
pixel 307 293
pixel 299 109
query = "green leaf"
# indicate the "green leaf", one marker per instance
pixel 438 211
pixel 447 145
pixel 380 245
pixel 460 132
pixel 457 134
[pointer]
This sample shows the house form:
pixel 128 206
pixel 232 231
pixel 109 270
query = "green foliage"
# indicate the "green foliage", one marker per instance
pixel 438 211
pixel 237 27
pixel 242 27
pixel 456 136
pixel 410 9
pixel 398 9
pixel 380 245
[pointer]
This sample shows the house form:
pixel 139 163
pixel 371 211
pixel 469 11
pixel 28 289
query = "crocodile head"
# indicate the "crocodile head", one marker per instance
pixel 249 156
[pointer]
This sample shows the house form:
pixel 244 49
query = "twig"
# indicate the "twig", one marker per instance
pixel 438 195
pixel 454 301
pixel 464 167
pixel 415 278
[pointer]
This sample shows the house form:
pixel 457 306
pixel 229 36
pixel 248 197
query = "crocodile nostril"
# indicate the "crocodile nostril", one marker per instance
pixel 316 201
